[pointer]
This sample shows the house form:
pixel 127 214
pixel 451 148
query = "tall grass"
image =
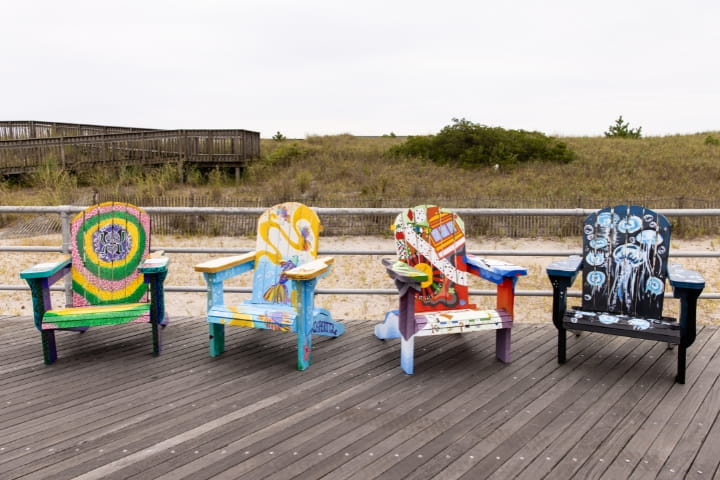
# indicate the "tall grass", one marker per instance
pixel 323 169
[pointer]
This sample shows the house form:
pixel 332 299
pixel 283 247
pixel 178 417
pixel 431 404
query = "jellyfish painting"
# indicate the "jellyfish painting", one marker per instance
pixel 624 252
pixel 635 265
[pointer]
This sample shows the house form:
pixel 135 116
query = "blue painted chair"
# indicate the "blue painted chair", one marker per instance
pixel 286 270
pixel 624 269
pixel 111 269
pixel 431 274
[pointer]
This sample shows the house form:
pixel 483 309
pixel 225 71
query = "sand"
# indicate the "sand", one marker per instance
pixel 359 272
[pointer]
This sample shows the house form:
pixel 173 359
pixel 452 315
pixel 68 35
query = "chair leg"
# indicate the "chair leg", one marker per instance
pixel 217 339
pixel 48 346
pixel 680 378
pixel 502 344
pixel 407 353
pixel 562 343
pixel 157 342
pixel 304 350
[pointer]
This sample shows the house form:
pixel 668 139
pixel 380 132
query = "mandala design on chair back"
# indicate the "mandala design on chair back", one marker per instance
pixel 108 243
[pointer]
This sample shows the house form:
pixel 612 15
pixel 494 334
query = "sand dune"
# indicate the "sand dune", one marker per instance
pixel 356 271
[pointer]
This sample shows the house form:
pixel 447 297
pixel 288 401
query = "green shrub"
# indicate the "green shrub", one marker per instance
pixel 468 144
pixel 623 130
pixel 285 153
pixel 710 140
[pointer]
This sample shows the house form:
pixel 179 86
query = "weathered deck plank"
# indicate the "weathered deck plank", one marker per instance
pixel 108 409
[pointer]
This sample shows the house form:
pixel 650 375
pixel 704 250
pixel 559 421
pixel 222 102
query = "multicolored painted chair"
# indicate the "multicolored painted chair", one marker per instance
pixel 286 270
pixel 111 268
pixel 625 265
pixel 431 275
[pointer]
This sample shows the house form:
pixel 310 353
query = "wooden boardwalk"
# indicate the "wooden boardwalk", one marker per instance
pixel 108 409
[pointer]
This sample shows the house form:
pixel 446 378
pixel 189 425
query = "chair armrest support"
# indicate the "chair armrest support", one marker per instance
pixel 40 278
pixel 314 269
pixel 562 274
pixel 494 271
pixel 406 278
pixel 46 270
pixel 687 286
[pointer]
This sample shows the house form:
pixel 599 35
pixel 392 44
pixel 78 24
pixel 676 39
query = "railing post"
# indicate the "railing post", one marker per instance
pixel 65 225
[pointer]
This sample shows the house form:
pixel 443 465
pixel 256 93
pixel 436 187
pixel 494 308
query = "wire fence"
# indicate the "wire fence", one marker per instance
pixel 377 222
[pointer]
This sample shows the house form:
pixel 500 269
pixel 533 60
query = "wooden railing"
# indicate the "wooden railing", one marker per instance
pixel 27 146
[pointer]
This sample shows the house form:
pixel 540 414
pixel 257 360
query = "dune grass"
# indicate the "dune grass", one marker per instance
pixel 322 170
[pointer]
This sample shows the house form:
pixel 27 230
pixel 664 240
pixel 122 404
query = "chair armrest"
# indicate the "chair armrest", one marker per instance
pixel 156 262
pixel 219 264
pixel 493 270
pixel 46 270
pixel 404 273
pixel 681 278
pixel 310 270
pixel 568 268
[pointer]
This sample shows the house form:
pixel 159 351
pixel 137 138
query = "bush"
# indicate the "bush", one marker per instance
pixel 710 140
pixel 468 144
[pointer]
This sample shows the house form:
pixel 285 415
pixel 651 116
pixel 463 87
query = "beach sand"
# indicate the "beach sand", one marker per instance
pixel 358 272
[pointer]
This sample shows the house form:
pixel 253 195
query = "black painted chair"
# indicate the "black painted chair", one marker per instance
pixel 625 264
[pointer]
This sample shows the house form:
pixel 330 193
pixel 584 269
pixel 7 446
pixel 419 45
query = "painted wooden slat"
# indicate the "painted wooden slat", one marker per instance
pixel 568 267
pixel 682 278
pixel 47 269
pixel 311 269
pixel 354 415
pixel 215 265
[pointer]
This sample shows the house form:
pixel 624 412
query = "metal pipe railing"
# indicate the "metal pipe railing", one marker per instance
pixel 65 212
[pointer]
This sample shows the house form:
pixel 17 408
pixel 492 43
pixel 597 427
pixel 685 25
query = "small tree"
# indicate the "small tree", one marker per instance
pixel 623 130
pixel 279 137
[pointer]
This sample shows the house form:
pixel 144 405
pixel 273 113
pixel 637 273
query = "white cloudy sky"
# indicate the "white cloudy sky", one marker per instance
pixel 371 67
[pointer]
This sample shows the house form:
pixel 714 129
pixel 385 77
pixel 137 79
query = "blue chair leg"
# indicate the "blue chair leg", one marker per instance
pixel 407 353
pixel 217 339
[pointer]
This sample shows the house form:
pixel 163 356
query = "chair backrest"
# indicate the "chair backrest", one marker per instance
pixel 287 237
pixel 108 242
pixel 432 239
pixel 625 250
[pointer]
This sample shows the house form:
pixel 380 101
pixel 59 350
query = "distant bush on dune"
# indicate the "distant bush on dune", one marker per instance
pixel 468 144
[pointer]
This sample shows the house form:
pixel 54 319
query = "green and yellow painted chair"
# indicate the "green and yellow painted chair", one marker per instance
pixel 115 280
pixel 286 270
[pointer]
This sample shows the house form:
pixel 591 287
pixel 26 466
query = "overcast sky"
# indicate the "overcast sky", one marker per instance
pixel 562 67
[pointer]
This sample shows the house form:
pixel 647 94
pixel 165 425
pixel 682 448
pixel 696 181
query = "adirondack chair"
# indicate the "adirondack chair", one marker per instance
pixel 286 270
pixel 624 266
pixel 431 275
pixel 111 268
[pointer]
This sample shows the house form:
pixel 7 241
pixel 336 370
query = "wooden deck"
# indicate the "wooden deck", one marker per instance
pixel 108 409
